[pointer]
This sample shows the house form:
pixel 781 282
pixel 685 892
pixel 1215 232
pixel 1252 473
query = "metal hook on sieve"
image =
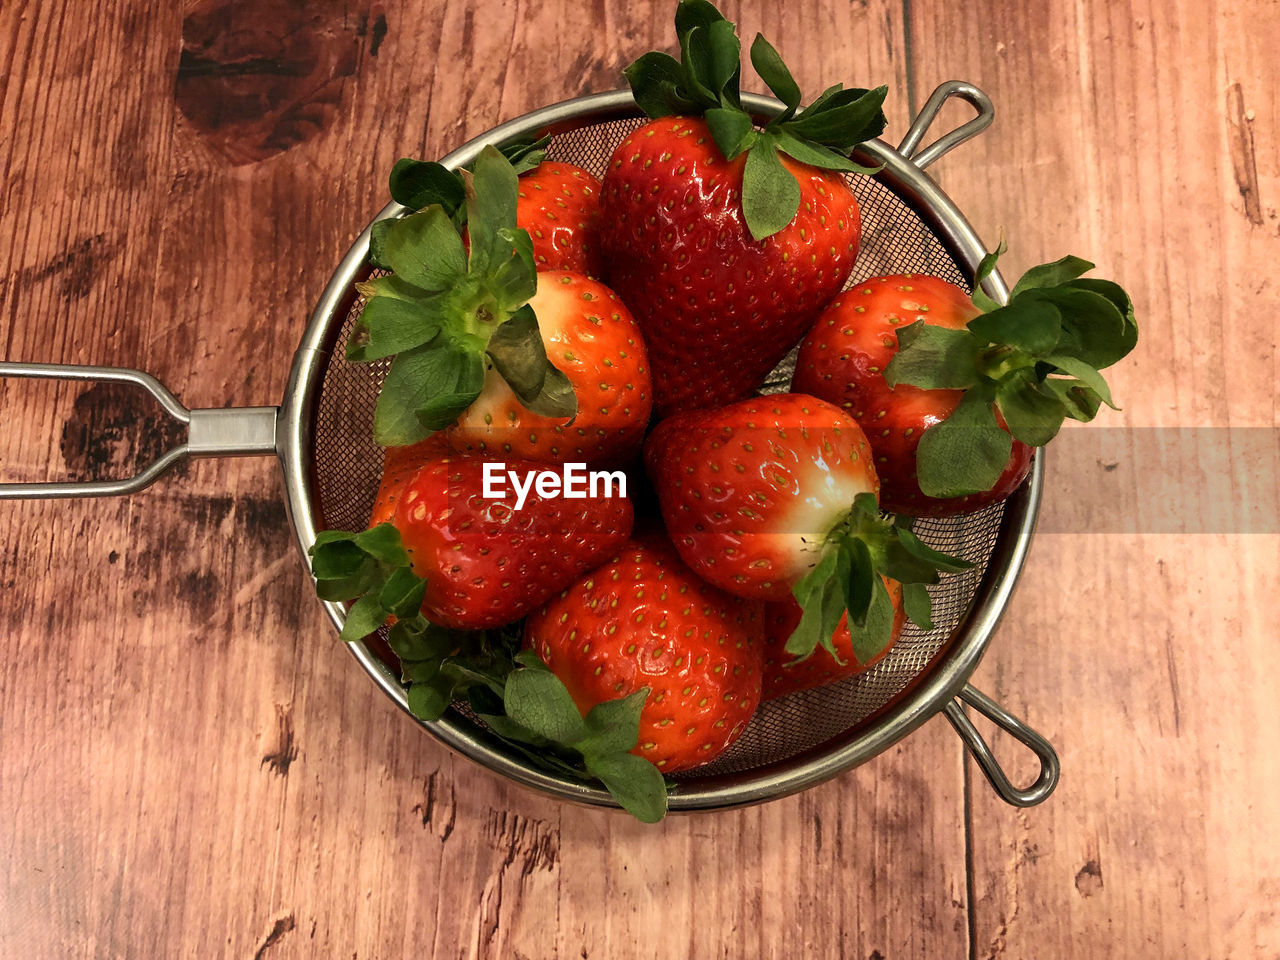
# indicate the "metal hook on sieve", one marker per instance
pixel 1018 796
pixel 233 432
pixel 910 145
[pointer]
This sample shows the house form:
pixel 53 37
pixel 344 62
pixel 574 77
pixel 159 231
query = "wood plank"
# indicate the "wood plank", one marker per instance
pixel 1143 136
pixel 190 761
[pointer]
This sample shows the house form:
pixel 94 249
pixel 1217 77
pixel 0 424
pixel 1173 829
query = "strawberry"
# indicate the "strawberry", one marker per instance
pixel 644 620
pixel 775 497
pixel 590 335
pixel 399 466
pixel 843 359
pixel 783 674
pixel 749 491
pixel 726 240
pixel 560 207
pixel 718 309
pixel 470 562
pixel 462 322
pixel 954 393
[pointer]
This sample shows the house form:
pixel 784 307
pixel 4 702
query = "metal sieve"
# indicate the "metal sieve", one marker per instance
pixel 322 434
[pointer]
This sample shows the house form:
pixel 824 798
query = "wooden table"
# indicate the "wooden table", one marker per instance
pixel 190 763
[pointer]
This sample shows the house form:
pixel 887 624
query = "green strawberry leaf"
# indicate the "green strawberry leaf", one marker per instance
pixel 1033 415
pixel 863 550
pixel 814 154
pixel 845 120
pixel 1029 323
pixel 514 693
pixel 918 548
pixel 692 14
pixel 508 729
pixel 1086 374
pixel 874 633
pixel 731 130
pixel 860 580
pixel 538 701
pixel 378 242
pixel 725 55
pixel 392 287
pixel 525 155
pixel 419 183
pixel 519 355
pixel 1056 323
pixel 342 589
pixel 438 311
pixel 917 605
pixel 821 595
pixel 425 390
pixel 424 249
pixel 491 208
pixel 403 593
pixel 415 640
pixel 365 616
pixel 967 452
pixel 770 194
pixel 985 266
pixel 1094 330
pixel 634 782
pixel 655 81
pixel 370 568
pixel 515 282
pixel 820 101
pixel 383 543
pixel 613 726
pixel 388 326
pixel 1051 275
pixel 695 52
pixel 1079 400
pixel 901 564
pixel 336 559
pixel 934 357
pixel 776 76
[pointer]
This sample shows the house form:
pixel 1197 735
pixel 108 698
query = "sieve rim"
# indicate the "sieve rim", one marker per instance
pixel 928 693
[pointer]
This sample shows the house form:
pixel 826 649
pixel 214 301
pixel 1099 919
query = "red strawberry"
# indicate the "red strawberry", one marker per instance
pixel 560 207
pixel 776 496
pixel 589 335
pixel 726 240
pixel 399 466
pixel 953 391
pixel 644 620
pixel 783 675
pixel 718 308
pixel 750 491
pixel 486 563
pixel 843 359
pixel 549 366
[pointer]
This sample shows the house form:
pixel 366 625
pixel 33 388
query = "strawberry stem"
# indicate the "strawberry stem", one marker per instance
pixel 705 82
pixel 1035 360
pixel 860 552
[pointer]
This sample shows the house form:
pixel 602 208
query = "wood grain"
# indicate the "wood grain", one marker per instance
pixel 190 764
pixel 1143 134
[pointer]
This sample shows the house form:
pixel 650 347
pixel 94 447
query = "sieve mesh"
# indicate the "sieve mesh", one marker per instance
pixel 347 463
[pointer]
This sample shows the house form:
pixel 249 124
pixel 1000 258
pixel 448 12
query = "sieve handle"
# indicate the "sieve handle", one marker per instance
pixel 235 432
pixel 1018 796
pixel 910 145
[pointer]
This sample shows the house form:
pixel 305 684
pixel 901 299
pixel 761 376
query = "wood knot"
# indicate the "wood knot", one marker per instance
pixel 257 77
